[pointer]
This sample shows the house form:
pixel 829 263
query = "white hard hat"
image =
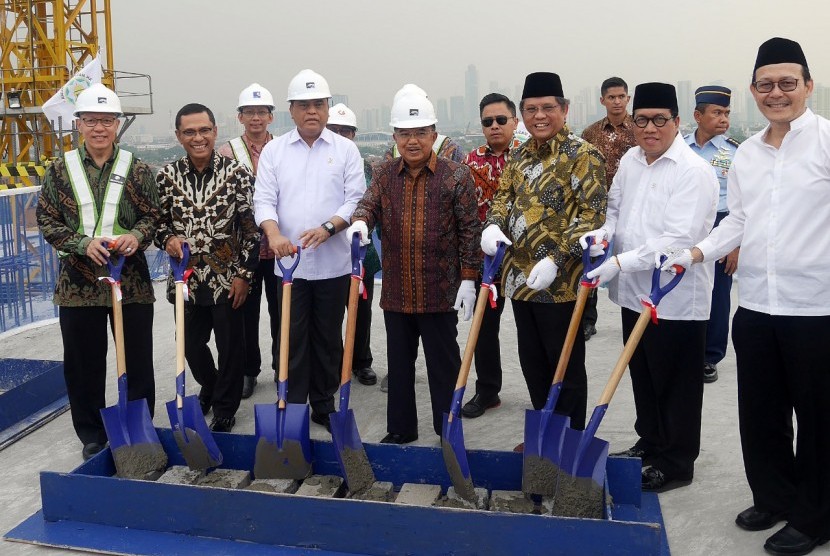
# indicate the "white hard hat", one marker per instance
pixel 409 89
pixel 97 98
pixel 411 111
pixel 308 85
pixel 340 114
pixel 255 95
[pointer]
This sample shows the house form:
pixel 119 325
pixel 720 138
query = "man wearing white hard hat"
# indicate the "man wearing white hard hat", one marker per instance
pixel 87 230
pixel 426 208
pixel 308 184
pixel 255 107
pixel 342 120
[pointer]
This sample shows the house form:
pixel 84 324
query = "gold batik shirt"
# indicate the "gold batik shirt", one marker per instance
pixel 549 196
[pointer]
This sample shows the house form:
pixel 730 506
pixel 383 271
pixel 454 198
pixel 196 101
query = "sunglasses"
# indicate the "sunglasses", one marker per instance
pixel 487 122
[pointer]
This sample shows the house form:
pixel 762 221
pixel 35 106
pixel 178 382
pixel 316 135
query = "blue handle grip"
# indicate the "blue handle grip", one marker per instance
pixel 288 273
pixel 492 264
pixel 358 254
pixel 657 292
pixel 178 266
pixel 587 264
pixel 114 266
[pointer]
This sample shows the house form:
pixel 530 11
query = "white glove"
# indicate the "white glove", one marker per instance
pixel 597 248
pixel 606 271
pixel 490 236
pixel 466 298
pixel 361 228
pixel 542 274
pixel 682 258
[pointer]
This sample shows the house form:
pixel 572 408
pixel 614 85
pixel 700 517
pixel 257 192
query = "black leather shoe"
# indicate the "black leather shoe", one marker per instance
pixel 394 438
pixel 222 424
pixel 478 405
pixel 91 449
pixel 366 376
pixel 710 373
pixel 752 519
pixel 792 542
pixel 322 419
pixel 248 387
pixel 634 452
pixel 589 330
pixel 654 480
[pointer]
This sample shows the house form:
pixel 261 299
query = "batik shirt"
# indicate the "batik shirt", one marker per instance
pixel 212 211
pixel 487 168
pixel 612 141
pixel 548 196
pixel 57 215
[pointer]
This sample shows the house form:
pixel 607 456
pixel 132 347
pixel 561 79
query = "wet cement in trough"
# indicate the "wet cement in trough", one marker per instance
pixel 139 461
pixel 578 497
pixel 288 463
pixel 358 470
pixel 463 485
pixel 539 476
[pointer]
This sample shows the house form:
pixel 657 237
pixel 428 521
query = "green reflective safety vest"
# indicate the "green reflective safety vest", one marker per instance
pixel 240 152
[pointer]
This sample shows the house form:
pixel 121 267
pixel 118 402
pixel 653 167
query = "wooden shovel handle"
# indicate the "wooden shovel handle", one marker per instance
pixel 625 356
pixel 351 327
pixel 118 326
pixel 285 328
pixel 472 338
pixel 573 328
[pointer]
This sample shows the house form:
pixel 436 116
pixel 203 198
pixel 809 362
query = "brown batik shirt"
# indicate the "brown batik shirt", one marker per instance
pixel 612 141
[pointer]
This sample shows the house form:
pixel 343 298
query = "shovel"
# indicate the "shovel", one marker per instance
pixel 452 433
pixel 349 449
pixel 134 442
pixel 186 418
pixel 580 488
pixel 544 429
pixel 283 449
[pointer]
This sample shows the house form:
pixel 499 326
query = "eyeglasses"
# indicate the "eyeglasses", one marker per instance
pixel 92 122
pixel 203 131
pixel 341 130
pixel 786 85
pixel 659 121
pixel 419 134
pixel 501 120
pixel 252 112
pixel 546 109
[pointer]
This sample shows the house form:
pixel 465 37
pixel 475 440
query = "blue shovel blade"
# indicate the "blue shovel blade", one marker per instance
pixel 545 441
pixel 455 457
pixel 135 426
pixel 283 449
pixel 193 437
pixel 589 464
pixel 350 452
pixel 344 431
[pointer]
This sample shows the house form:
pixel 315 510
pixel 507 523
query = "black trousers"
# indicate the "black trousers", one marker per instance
pixel 84 332
pixel 221 384
pixel 668 391
pixel 589 315
pixel 443 361
pixel 263 279
pixel 784 366
pixel 488 350
pixel 717 331
pixel 315 350
pixel 363 332
pixel 541 329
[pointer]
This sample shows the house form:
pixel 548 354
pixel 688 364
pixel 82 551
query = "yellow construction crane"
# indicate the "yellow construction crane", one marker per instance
pixel 45 42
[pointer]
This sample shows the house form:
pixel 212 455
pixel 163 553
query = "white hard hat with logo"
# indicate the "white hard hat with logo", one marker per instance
pixel 308 85
pixel 340 114
pixel 98 98
pixel 409 89
pixel 255 95
pixel 411 111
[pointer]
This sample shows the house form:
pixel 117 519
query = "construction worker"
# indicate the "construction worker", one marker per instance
pixel 308 184
pixel 206 202
pixel 343 121
pixel 99 200
pixel 425 206
pixel 256 107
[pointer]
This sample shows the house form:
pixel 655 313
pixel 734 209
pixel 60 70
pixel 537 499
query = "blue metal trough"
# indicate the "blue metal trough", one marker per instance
pixel 90 509
pixel 32 393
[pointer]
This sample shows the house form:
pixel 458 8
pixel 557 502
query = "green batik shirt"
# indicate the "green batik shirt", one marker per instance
pixel 139 211
pixel 547 198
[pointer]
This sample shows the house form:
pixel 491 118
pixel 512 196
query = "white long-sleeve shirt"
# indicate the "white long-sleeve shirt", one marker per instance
pixel 300 187
pixel 665 205
pixel 779 213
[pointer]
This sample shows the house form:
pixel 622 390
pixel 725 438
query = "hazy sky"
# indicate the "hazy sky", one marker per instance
pixel 207 51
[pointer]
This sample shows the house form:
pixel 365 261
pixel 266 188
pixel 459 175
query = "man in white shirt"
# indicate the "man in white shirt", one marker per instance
pixel 779 212
pixel 308 184
pixel 662 197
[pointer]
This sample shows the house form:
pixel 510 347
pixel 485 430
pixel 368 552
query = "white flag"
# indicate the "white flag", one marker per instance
pixel 62 104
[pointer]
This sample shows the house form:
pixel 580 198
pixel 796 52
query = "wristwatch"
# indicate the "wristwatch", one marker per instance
pixel 329 227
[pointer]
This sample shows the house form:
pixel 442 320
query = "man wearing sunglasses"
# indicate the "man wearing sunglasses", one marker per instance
pixel 551 192
pixel 255 113
pixel 779 211
pixel 613 135
pixel 498 123
pixel 77 216
pixel 663 196
pixel 206 202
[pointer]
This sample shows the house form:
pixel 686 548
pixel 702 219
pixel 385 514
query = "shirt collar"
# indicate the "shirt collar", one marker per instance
pixel 326 135
pixel 485 149
pixel 189 167
pixel 431 164
pixel 718 141
pixel 802 120
pixel 557 139
pixel 674 153
pixel 627 122
pixel 86 156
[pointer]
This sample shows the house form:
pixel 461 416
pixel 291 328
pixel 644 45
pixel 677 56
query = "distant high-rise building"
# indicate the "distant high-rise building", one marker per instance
pixel 443 113
pixel 457 114
pixel 821 101
pixel 494 87
pixel 338 99
pixel 517 95
pixel 685 101
pixel 471 97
